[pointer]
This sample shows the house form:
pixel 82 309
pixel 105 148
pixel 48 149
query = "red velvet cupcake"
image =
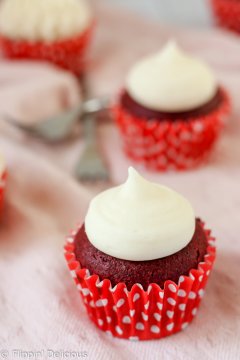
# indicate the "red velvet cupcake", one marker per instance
pixel 227 13
pixel 141 260
pixel 171 111
pixel 57 31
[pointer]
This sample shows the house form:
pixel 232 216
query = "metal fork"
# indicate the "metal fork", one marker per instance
pixel 61 126
pixel 91 166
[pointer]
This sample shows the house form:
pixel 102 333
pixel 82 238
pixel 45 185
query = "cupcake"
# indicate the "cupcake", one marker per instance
pixel 58 31
pixel 3 175
pixel 141 260
pixel 227 13
pixel 171 110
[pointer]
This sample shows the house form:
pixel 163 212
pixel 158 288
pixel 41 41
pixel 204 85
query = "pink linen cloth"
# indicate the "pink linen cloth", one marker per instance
pixel 39 306
pixel 26 86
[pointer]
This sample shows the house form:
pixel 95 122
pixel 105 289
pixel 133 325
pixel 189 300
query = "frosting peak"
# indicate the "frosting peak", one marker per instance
pixel 171 52
pixel 134 185
pixel 139 220
pixel 171 81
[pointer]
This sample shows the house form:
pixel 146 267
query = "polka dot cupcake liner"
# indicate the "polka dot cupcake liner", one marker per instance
pixel 165 145
pixel 69 54
pixel 138 314
pixel 227 13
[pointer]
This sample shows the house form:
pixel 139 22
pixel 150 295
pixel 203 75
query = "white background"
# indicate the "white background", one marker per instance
pixel 179 12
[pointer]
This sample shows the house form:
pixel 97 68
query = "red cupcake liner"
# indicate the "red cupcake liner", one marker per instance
pixel 227 13
pixel 163 145
pixel 68 54
pixel 139 314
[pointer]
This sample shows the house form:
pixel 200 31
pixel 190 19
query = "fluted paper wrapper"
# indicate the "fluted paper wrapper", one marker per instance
pixel 170 145
pixel 138 314
pixel 69 54
pixel 227 13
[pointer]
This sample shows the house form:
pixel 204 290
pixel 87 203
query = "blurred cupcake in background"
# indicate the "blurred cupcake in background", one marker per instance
pixel 3 175
pixel 58 31
pixel 171 110
pixel 141 260
pixel 227 13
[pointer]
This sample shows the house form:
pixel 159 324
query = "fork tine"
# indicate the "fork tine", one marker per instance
pixel 91 167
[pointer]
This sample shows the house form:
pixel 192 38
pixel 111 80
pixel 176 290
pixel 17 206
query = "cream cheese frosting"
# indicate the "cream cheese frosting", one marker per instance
pixel 47 20
pixel 139 220
pixel 171 81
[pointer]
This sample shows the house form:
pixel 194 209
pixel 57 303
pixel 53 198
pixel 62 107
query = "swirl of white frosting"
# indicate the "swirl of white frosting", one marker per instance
pixel 47 20
pixel 139 220
pixel 171 81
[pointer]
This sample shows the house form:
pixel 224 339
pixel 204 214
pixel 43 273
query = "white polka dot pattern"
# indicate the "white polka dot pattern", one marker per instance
pixel 171 301
pixel 136 297
pixel 182 293
pixel 182 307
pixel 170 314
pixel 192 295
pixel 155 329
pixel 170 326
pixel 146 306
pixel 100 322
pixel 144 316
pixel 138 314
pixel 120 303
pixel 157 316
pixel 172 288
pixel 119 330
pixel 139 326
pixel 69 54
pixel 132 312
pixel 101 302
pixel 126 320
pixel 166 145
pixel 133 338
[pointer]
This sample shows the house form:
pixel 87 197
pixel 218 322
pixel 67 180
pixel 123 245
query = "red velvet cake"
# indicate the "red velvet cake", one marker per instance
pixel 144 272
pixel 136 109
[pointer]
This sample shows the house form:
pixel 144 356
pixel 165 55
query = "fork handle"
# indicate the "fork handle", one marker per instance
pixel 95 105
pixel 89 130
